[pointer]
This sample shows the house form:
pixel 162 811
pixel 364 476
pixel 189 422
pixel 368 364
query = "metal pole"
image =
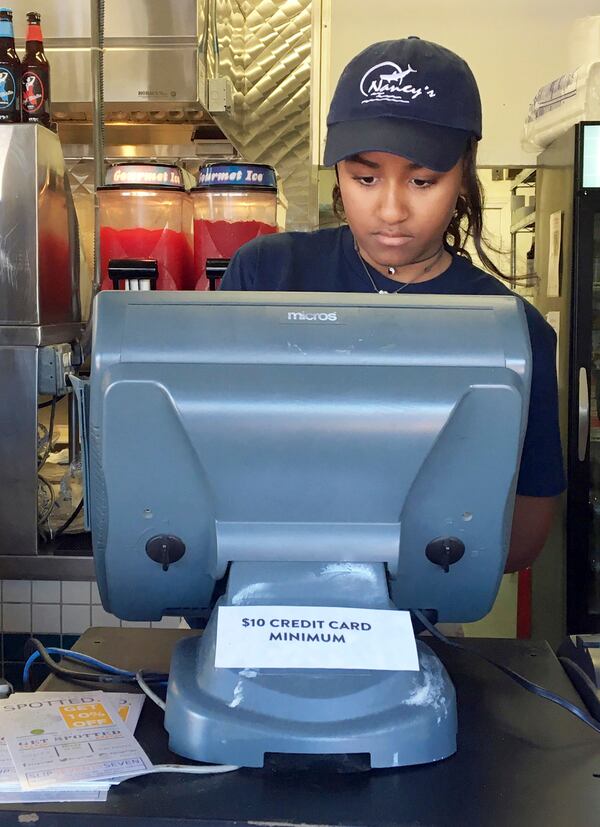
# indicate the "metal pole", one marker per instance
pixel 97 51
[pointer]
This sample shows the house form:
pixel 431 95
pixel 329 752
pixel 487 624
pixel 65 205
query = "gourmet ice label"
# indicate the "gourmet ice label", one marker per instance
pixel 8 88
pixel 33 92
pixel 311 637
pixel 237 175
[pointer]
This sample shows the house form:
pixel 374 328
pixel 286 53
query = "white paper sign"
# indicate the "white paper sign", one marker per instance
pixel 309 637
pixel 555 231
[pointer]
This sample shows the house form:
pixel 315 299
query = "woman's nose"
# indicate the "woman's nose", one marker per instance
pixel 393 206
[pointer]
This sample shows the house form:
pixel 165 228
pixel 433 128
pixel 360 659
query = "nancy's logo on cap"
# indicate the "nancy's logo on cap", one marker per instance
pixel 385 82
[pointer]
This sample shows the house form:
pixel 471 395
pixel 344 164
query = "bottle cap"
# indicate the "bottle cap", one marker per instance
pixel 33 17
pixel 6 13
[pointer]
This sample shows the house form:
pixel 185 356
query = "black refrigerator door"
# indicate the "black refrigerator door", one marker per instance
pixel 583 520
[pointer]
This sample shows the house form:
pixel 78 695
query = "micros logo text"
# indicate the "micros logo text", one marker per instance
pixel 385 82
pixel 300 316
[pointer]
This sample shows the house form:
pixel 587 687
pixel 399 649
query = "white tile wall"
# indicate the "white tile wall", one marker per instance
pixel 45 591
pixel 16 591
pixel 100 617
pixel 75 618
pixel 58 607
pixel 95 594
pixel 16 617
pixel 76 592
pixel 45 618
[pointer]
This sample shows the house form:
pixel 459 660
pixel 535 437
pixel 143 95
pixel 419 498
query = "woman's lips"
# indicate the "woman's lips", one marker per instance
pixel 393 240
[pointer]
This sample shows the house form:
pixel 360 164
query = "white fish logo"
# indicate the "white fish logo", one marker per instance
pixel 386 81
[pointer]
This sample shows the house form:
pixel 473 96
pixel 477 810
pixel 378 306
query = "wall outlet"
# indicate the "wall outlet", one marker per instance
pixel 220 95
pixel 54 364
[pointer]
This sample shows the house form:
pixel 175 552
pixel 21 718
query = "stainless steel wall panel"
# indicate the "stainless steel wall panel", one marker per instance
pixel 36 335
pixel 71 76
pixel 130 18
pixel 18 227
pixel 38 277
pixel 144 75
pixel 18 450
pixel 151 18
pixel 60 18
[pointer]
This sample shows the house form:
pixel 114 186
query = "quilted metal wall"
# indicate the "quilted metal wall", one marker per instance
pixel 264 47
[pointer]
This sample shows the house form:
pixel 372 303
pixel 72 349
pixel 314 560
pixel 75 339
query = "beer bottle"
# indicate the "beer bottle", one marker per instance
pixel 35 75
pixel 10 71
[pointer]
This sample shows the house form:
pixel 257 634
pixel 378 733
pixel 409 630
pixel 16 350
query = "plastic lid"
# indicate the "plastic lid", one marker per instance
pixel 254 176
pixel 144 176
pixel 33 17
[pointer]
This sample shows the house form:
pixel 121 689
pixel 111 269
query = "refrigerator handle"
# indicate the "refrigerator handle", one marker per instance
pixel 584 415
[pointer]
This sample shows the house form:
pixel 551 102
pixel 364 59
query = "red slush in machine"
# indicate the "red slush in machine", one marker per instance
pixel 145 228
pixel 233 203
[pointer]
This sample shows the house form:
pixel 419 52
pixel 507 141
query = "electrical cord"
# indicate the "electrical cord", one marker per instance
pixel 195 769
pixel 46 454
pixel 80 658
pixel 115 674
pixel 112 674
pixel 48 402
pixel 43 516
pixel 578 676
pixel 522 681
pixel 6 688
pixel 139 676
pixel 61 529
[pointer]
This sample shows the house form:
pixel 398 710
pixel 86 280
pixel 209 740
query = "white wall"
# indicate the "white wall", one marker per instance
pixel 512 46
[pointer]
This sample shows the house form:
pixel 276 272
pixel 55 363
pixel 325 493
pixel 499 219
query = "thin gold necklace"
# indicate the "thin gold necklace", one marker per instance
pixel 392 271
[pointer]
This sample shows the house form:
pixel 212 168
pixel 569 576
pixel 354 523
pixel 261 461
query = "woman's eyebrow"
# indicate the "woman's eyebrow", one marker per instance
pixel 360 159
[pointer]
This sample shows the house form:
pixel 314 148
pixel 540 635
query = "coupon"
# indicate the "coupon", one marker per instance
pixel 55 741
pixel 129 704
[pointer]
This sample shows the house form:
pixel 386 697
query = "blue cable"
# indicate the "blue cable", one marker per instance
pixel 89 661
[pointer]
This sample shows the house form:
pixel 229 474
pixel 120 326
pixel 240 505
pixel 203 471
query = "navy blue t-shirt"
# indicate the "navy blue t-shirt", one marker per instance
pixel 326 261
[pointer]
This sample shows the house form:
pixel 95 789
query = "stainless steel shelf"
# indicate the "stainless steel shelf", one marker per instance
pixel 524 223
pixel 526 178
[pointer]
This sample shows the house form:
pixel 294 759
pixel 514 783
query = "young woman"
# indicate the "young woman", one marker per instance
pixel 402 133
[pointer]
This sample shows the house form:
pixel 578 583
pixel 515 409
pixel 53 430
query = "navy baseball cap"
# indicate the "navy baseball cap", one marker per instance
pixel 409 97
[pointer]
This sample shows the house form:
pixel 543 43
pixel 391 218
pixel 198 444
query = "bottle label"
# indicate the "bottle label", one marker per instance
pixel 34 32
pixel 8 88
pixel 34 93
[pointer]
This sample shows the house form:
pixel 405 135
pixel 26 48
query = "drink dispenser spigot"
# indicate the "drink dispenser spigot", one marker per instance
pixel 133 273
pixel 233 203
pixel 146 214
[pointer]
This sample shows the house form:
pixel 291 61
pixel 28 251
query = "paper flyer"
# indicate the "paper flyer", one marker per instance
pixel 8 774
pixel 10 789
pixel 69 737
pixel 129 704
